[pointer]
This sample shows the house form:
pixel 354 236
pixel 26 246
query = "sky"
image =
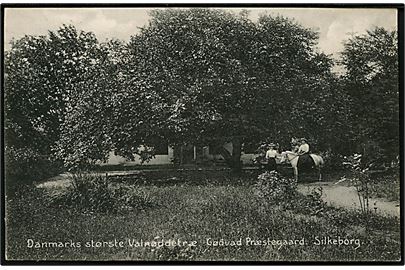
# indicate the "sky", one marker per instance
pixel 334 25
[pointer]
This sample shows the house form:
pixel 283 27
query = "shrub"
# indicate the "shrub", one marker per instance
pixel 311 204
pixel 360 179
pixel 272 188
pixel 94 193
pixel 25 165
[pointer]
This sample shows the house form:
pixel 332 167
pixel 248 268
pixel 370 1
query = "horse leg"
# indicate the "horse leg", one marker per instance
pixel 296 174
pixel 320 174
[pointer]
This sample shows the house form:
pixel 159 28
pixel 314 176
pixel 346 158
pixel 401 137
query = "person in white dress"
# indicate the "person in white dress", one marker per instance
pixel 271 155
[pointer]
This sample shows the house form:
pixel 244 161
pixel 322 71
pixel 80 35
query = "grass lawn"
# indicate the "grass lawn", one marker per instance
pixel 196 206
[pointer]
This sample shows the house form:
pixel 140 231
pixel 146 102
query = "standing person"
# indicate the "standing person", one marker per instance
pixel 305 161
pixel 271 155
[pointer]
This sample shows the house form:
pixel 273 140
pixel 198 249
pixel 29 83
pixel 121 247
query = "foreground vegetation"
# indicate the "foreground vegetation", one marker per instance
pixel 387 187
pixel 191 206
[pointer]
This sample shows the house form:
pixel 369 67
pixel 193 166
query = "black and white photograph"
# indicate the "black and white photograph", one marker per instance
pixel 216 134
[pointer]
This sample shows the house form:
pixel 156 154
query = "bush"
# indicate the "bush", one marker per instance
pixel 311 204
pixel 274 189
pixel 94 193
pixel 25 165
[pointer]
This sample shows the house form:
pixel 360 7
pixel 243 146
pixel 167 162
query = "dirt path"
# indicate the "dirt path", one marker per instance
pixel 344 196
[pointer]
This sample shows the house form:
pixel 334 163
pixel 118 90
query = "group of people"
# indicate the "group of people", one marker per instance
pixel 300 146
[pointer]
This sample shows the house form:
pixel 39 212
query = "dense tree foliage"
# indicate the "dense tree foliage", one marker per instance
pixel 209 75
pixel 55 88
pixel 372 82
pixel 203 77
pixel 87 124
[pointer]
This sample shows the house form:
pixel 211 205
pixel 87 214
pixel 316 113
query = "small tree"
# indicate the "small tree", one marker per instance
pixel 360 179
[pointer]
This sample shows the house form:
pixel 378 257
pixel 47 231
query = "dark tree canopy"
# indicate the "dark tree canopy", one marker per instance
pixel 56 91
pixel 210 75
pixel 203 77
pixel 372 83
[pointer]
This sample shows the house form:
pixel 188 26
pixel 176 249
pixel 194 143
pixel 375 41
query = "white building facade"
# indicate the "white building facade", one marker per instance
pixel 187 154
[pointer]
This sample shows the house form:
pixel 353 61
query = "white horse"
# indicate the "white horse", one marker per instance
pixel 293 157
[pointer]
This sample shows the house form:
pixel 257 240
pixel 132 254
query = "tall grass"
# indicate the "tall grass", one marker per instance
pixel 196 212
pixel 95 193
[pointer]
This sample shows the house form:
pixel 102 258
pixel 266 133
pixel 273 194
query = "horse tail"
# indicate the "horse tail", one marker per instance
pixel 319 160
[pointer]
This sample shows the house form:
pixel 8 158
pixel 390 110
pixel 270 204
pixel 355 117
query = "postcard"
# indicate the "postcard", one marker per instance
pixel 202 134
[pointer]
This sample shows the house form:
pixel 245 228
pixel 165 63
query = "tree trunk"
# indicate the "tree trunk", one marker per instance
pixel 236 154
pixel 233 160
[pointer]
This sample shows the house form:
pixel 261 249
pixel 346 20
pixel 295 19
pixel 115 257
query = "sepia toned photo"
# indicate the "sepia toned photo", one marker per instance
pixel 202 134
